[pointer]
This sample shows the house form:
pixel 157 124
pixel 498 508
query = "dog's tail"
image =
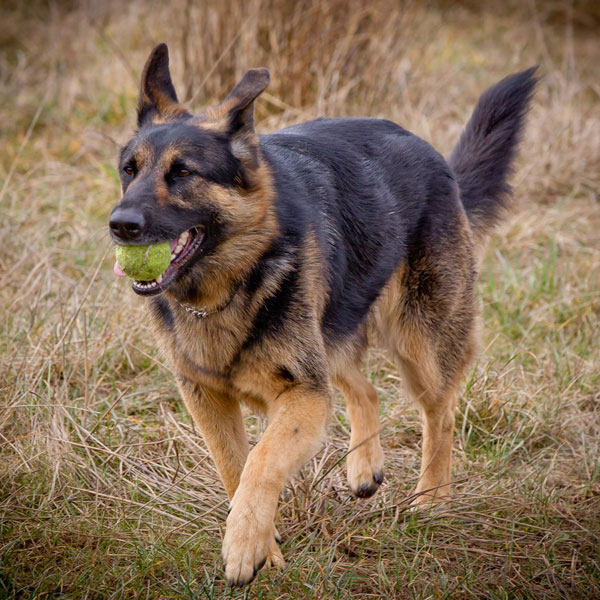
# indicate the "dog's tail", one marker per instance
pixel 483 157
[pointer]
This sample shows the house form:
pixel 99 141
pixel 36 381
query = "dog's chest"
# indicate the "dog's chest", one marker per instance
pixel 211 352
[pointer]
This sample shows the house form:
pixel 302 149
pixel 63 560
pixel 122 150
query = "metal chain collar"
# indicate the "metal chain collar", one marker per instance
pixel 202 313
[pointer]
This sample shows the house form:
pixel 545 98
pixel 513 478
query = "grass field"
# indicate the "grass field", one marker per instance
pixel 106 488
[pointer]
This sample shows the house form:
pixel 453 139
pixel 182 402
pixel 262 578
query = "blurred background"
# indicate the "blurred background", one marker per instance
pixel 106 489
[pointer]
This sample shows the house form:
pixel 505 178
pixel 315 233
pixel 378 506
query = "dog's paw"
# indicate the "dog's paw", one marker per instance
pixel 365 469
pixel 249 543
pixel 275 559
pixel 429 495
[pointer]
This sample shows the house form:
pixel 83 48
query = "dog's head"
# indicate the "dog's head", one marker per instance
pixel 195 181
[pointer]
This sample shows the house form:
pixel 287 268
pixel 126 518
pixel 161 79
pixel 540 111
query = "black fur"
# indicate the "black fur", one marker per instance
pixel 161 308
pixel 361 185
pixel 286 374
pixel 273 313
pixel 483 156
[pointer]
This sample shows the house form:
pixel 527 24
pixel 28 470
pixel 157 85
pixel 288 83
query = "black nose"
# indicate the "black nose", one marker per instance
pixel 126 223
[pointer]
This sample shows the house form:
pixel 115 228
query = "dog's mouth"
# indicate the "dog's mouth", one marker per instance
pixel 182 250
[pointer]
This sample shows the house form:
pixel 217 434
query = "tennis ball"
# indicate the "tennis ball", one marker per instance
pixel 144 263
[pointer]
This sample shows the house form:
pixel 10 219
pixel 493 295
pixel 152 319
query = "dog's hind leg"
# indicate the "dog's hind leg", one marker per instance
pixel 365 456
pixel 438 405
pixel 427 320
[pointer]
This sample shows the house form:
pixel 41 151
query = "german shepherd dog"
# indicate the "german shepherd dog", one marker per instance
pixel 291 252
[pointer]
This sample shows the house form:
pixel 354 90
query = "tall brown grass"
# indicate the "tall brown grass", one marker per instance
pixel 106 489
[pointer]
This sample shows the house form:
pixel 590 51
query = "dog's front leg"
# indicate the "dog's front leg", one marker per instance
pixel 219 418
pixel 295 432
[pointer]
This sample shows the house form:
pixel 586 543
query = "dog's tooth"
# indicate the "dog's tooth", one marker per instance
pixel 172 256
pixel 159 279
pixel 178 248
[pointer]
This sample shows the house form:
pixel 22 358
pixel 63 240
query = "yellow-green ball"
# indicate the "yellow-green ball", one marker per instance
pixel 144 263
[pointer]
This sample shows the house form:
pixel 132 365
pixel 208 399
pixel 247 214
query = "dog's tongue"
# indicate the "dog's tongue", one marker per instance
pixel 119 272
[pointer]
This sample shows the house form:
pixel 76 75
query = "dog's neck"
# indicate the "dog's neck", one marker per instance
pixel 203 312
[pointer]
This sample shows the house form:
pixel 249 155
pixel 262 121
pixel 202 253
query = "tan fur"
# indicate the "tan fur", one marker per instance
pixel 144 156
pixel 432 344
pixel 169 111
pixel 161 191
pixel 365 456
pixel 252 225
pixel 216 118
pixel 243 353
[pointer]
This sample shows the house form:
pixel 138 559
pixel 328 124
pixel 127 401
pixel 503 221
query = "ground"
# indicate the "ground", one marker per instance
pixel 106 488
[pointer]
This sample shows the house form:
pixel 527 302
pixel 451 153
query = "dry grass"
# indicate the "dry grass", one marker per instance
pixel 106 489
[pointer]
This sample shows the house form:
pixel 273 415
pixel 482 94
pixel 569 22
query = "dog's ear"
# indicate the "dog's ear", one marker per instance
pixel 238 107
pixel 157 95
pixel 235 115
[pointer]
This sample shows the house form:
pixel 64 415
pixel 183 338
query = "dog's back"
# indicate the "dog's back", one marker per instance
pixel 363 186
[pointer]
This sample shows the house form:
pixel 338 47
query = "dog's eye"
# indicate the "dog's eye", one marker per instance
pixel 128 170
pixel 183 173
